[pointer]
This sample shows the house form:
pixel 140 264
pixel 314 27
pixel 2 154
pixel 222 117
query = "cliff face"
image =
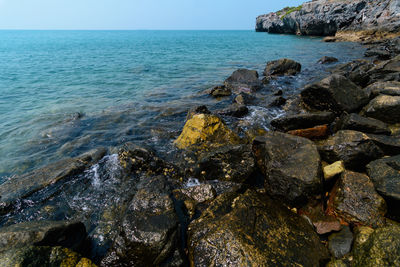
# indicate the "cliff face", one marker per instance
pixel 327 17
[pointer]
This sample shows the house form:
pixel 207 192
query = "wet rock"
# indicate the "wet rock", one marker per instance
pixel 43 256
pixel 25 185
pixel 277 102
pixel 197 110
pixel 279 156
pixel 318 132
pixel 340 243
pixel 355 200
pixel 43 233
pixel 228 163
pixel 334 93
pixel 204 131
pixel 220 91
pixel 251 228
pixel 243 80
pixel 280 67
pixel 149 231
pixel 136 159
pixel 385 174
pixel 278 93
pixel 302 121
pixel 385 88
pixel 385 108
pixel 244 99
pixel 356 122
pixel 322 222
pixel 333 169
pixel 382 248
pixel 354 148
pixel 327 60
pixel 235 110
pixel 199 193
pixel 390 145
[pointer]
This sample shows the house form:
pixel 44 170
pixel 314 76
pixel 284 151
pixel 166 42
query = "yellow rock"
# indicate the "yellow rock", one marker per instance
pixel 85 263
pixel 333 169
pixel 362 235
pixel 205 130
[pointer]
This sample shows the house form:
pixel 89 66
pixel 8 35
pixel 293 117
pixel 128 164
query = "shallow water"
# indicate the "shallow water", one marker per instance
pixel 65 92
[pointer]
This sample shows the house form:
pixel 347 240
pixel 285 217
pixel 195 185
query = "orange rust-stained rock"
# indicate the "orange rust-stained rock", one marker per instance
pixel 316 132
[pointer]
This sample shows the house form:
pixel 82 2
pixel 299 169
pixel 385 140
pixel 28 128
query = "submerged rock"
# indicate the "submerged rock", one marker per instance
pixel 277 101
pixel 220 91
pixel 356 122
pixel 326 60
pixel 283 66
pixel 279 156
pixel 385 108
pixel 334 93
pixel 355 200
pixel 234 110
pixel 204 131
pixel 244 80
pixel 354 148
pixel 238 230
pixel 244 99
pixel 302 121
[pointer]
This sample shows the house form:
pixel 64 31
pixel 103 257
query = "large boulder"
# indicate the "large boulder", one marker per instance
pixel 334 93
pixel 228 163
pixel 279 156
pixel 243 80
pixel 385 108
pixel 302 121
pixel 385 88
pixel 283 66
pixel 204 131
pixel 356 122
pixel 355 200
pixel 379 248
pixel 385 174
pixel 354 148
pixel 238 230
pixel 149 231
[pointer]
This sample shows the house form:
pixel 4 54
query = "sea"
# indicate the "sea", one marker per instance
pixel 63 93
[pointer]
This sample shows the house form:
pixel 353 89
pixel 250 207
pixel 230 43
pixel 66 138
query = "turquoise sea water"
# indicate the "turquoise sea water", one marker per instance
pixel 65 92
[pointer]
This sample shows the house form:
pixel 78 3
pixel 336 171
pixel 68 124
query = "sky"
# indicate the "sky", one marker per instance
pixel 136 14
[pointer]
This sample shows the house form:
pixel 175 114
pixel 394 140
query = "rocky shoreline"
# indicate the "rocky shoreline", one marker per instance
pixel 322 188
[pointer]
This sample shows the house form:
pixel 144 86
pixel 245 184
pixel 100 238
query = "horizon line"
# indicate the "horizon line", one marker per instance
pixel 126 29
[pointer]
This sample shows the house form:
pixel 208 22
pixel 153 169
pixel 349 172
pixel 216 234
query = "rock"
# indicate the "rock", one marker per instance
pixel 323 223
pixel 334 93
pixel 327 60
pixel 235 110
pixel 43 256
pixel 277 102
pixel 317 132
pixel 199 193
pixel 362 233
pixel 390 145
pixel 23 186
pixel 340 243
pixel 281 67
pixel 336 263
pixel 385 71
pixel 354 148
pixel 197 110
pixel 379 53
pixel 332 170
pixel 43 233
pixel 356 122
pixel 243 80
pixel 244 99
pixel 385 174
pixel 301 121
pixel 382 248
pixel 149 231
pixel 385 88
pixel 385 108
pixel 136 159
pixel 356 71
pixel 228 163
pixel 220 91
pixel 238 230
pixel 279 156
pixel 355 200
pixel 204 131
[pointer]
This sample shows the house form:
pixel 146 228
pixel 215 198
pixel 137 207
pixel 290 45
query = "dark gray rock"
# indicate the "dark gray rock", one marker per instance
pixel 355 200
pixel 243 80
pixel 388 70
pixel 390 145
pixel 220 91
pixel 197 110
pixel 385 108
pixel 279 156
pixel 234 110
pixel 280 67
pixel 334 93
pixel 244 99
pixel 385 174
pixel 340 243
pixel 327 60
pixel 356 71
pixel 302 121
pixel 252 229
pixel 356 122
pixel 379 53
pixel 354 148
pixel 385 88
pixel 277 101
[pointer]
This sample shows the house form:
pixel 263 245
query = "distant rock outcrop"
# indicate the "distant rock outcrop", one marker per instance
pixel 327 17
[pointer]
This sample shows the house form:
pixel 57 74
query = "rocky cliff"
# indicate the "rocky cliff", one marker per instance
pixel 329 17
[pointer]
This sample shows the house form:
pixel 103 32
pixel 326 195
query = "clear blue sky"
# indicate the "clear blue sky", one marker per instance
pixel 135 14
